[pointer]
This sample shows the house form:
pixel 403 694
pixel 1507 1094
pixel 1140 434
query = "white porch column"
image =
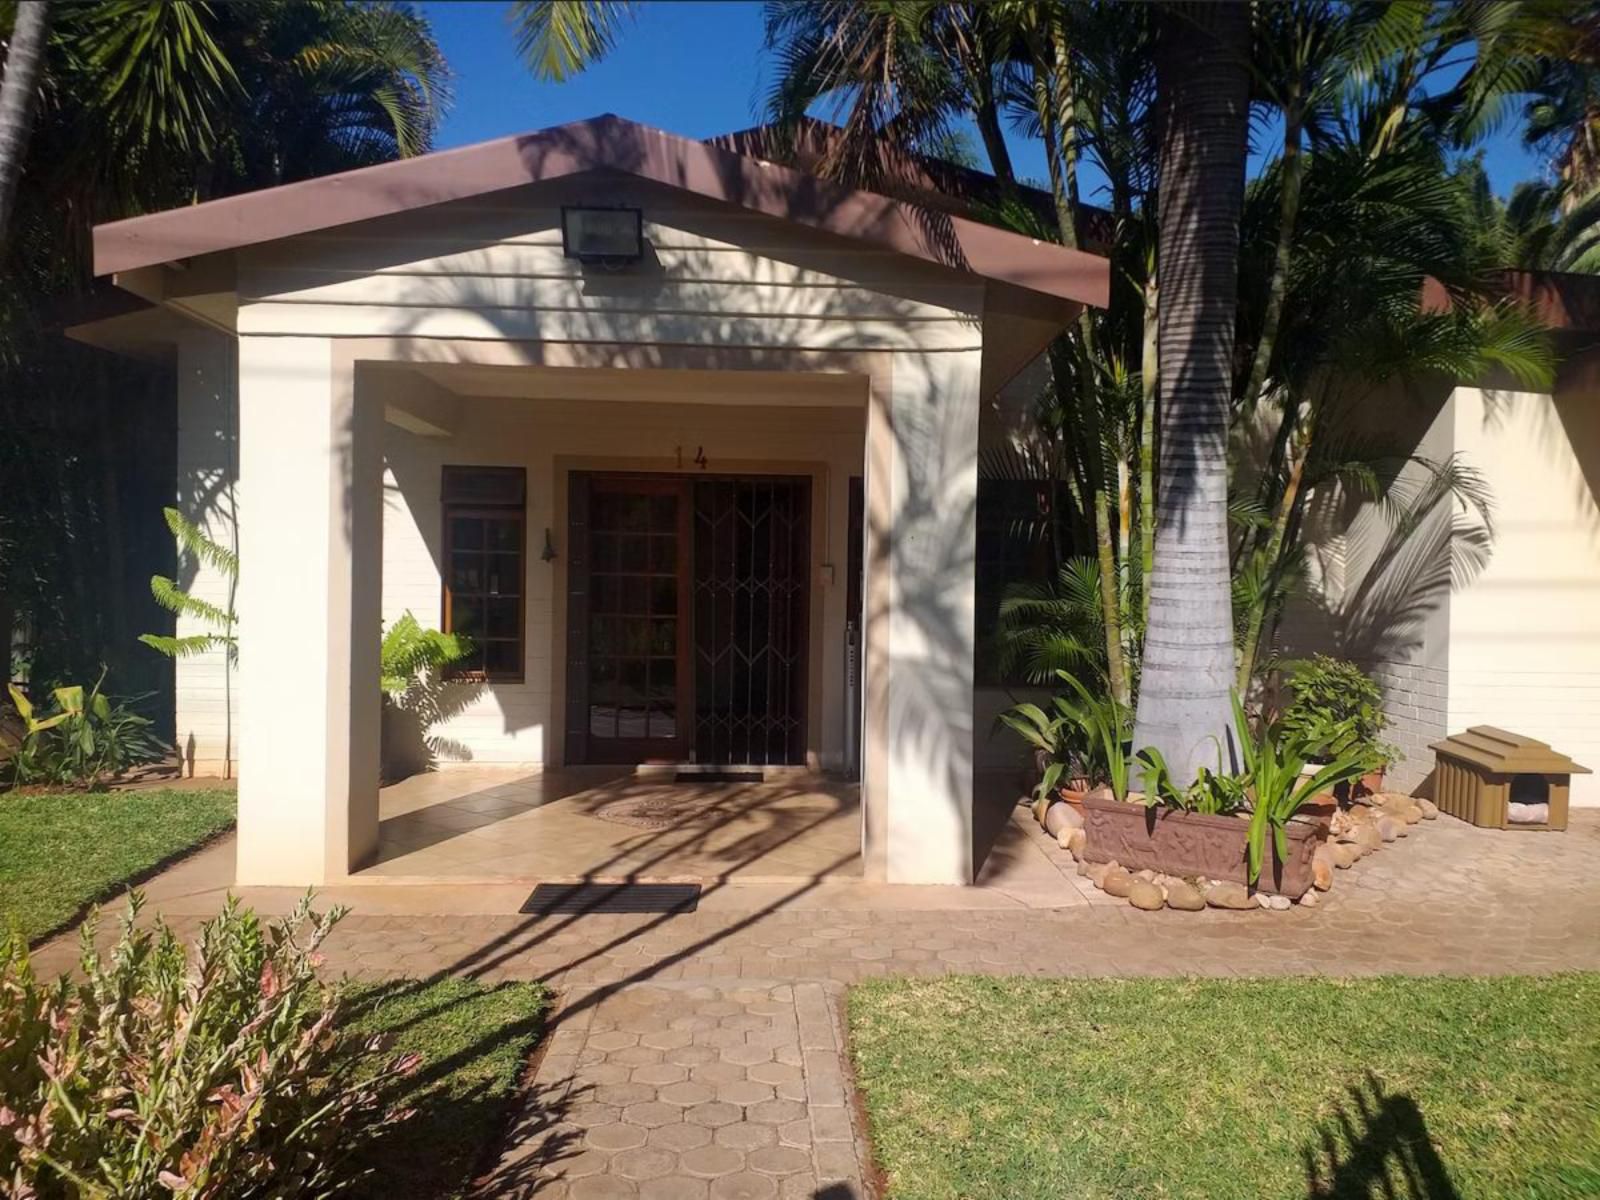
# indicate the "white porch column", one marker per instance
pixel 922 492
pixel 310 550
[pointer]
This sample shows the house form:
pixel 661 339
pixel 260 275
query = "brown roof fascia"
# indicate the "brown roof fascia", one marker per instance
pixel 1562 302
pixel 604 143
pixel 809 144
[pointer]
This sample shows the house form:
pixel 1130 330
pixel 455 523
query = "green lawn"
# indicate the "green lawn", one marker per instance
pixel 63 851
pixel 1450 1088
pixel 475 1042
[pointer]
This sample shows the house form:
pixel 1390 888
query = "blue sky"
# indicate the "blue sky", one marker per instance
pixel 688 66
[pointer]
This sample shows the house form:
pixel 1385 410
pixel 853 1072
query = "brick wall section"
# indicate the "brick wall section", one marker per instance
pixel 1415 698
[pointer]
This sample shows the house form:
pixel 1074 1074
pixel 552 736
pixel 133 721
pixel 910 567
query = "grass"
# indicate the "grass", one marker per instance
pixel 1445 1089
pixel 475 1042
pixel 63 851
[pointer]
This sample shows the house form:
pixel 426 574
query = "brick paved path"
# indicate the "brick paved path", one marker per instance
pixel 701 1056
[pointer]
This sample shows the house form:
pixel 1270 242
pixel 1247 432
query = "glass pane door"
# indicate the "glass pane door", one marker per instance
pixel 636 704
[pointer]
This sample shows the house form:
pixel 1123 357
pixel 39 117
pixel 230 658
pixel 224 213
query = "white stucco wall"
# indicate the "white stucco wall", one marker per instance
pixel 206 714
pixel 1524 642
pixel 1462 624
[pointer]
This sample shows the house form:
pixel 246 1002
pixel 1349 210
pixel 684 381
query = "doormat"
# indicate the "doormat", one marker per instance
pixel 719 777
pixel 581 898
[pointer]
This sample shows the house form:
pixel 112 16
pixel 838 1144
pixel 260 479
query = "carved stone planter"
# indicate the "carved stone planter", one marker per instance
pixel 1184 843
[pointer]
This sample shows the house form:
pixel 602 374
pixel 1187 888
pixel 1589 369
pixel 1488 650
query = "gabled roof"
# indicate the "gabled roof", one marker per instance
pixel 604 143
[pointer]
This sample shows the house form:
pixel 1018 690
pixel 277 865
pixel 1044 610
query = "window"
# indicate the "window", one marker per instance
pixel 485 567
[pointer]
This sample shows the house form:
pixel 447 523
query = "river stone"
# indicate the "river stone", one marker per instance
pixel 1146 874
pixel 1146 895
pixel 1387 829
pixel 1061 816
pixel 1360 814
pixel 1311 899
pixel 1413 814
pixel 1345 855
pixel 1118 883
pixel 1183 895
pixel 1227 894
pixel 1098 873
pixel 1073 841
pixel 1369 838
pixel 1279 903
pixel 1322 865
pixel 1429 810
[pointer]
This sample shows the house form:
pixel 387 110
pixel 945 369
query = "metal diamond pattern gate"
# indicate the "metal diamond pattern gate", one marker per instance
pixel 750 592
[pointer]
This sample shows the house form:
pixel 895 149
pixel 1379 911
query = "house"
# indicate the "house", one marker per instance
pixel 706 490
pixel 685 440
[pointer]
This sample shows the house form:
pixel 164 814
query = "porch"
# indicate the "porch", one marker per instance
pixel 483 824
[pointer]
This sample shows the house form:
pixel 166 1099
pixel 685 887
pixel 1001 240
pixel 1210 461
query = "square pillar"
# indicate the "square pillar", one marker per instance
pixel 917 740
pixel 310 548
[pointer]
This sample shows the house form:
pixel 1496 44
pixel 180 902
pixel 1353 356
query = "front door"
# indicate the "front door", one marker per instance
pixel 687 613
pixel 628 633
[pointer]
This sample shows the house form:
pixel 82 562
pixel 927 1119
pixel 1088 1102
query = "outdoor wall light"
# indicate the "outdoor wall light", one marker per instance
pixel 607 237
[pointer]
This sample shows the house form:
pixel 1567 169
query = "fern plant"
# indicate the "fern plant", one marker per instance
pixel 411 653
pixel 193 542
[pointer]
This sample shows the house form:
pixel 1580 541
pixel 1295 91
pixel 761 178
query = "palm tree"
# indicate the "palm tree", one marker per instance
pixel 561 38
pixel 1202 71
pixel 19 97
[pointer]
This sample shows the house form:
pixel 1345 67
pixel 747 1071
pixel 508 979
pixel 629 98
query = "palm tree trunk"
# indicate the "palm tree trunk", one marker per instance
pixel 19 97
pixel 1203 87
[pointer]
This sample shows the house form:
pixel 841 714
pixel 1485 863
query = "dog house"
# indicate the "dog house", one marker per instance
pixel 1501 780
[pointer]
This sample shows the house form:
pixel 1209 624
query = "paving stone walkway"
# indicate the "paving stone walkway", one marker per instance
pixel 701 1056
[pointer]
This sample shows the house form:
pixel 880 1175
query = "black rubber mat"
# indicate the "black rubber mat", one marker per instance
pixel 612 898
pixel 718 777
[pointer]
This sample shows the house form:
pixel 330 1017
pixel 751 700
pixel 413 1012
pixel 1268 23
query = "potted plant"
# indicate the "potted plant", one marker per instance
pixel 1336 707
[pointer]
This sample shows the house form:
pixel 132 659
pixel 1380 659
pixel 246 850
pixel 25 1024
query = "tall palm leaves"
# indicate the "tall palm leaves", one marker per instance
pixel 1203 77
pixel 560 38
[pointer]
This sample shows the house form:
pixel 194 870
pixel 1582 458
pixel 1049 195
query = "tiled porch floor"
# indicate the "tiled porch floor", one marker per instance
pixel 481 823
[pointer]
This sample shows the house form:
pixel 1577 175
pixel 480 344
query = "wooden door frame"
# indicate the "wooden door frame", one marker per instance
pixel 572 650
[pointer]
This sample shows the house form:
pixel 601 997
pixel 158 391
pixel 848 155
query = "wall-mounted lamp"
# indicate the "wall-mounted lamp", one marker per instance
pixel 548 554
pixel 608 237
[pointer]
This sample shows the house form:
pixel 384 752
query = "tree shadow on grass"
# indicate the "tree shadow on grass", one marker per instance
pixel 472 1083
pixel 1376 1144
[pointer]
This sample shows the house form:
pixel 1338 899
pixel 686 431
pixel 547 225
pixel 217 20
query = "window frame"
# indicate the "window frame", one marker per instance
pixel 449 510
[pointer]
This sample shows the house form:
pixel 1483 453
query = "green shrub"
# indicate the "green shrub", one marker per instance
pixel 224 1075
pixel 1327 693
pixel 85 741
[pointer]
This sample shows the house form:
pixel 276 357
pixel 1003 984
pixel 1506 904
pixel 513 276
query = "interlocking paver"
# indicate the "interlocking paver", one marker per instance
pixel 712 1160
pixel 712 1040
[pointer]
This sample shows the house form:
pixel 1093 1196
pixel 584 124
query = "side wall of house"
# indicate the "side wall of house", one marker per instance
pixel 1524 644
pixel 206 694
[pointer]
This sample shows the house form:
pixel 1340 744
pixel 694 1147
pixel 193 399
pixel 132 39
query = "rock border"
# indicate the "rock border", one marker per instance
pixel 1366 825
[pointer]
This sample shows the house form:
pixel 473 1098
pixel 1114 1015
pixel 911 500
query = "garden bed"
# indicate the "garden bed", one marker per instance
pixel 1189 844
pixel 1013 1089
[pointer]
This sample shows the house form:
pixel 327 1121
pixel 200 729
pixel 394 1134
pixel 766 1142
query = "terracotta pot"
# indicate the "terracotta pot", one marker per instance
pixel 1371 783
pixel 1074 793
pixel 1320 807
pixel 1184 843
